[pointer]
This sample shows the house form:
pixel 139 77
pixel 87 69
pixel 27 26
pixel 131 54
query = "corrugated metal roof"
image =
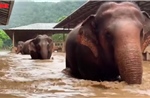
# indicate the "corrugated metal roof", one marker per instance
pixel 36 26
pixel 79 15
pixel 5 12
pixel 30 31
pixel 28 34
pixel 91 7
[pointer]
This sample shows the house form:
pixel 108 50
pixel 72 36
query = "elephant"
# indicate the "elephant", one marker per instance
pixel 19 47
pixel 107 44
pixel 23 47
pixel 41 47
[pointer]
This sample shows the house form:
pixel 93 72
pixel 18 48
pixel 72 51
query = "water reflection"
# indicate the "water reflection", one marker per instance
pixel 22 77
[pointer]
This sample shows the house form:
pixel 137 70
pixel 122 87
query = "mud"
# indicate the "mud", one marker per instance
pixel 21 77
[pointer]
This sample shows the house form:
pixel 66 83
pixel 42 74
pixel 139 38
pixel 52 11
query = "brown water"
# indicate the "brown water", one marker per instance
pixel 21 77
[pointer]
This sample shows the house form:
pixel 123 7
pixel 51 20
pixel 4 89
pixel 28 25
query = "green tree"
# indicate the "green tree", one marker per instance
pixel 62 18
pixel 25 13
pixel 59 37
pixel 5 40
pixel 3 35
pixel 1 43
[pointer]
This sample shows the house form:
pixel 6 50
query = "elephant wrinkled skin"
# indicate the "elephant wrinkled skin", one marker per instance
pixel 108 44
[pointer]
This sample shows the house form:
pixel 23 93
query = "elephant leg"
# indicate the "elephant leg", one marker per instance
pixel 86 63
pixel 88 70
pixel 72 65
pixel 49 55
pixel 92 68
pixel 92 71
pixel 34 55
pixel 67 64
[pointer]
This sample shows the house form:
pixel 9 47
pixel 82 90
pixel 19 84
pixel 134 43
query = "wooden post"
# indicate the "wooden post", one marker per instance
pixel 13 50
pixel 13 39
pixel 63 43
pixel 63 37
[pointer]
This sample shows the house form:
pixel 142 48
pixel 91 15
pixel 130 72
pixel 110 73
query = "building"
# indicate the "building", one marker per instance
pixel 5 13
pixel 146 54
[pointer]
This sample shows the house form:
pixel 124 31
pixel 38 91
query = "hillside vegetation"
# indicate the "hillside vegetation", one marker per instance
pixel 25 13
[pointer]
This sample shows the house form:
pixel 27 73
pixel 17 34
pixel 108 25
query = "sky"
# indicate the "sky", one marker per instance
pixel 40 0
pixel 46 0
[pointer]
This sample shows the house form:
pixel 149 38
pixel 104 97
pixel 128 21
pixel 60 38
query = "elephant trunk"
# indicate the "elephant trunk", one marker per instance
pixel 129 61
pixel 18 51
pixel 44 53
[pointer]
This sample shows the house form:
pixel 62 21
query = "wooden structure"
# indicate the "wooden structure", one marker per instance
pixel 59 46
pixel 146 53
pixel 5 11
pixel 90 7
pixel 24 33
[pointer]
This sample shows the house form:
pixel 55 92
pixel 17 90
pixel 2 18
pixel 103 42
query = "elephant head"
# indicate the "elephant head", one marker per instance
pixel 19 47
pixel 114 34
pixel 41 47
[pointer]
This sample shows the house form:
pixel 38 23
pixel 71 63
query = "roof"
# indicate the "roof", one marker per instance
pixel 28 34
pixel 35 26
pixel 6 12
pixel 30 31
pixel 90 7
pixel 45 28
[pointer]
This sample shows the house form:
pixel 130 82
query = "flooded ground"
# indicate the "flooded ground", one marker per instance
pixel 21 77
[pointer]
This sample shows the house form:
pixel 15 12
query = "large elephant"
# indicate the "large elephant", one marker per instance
pixel 41 47
pixel 23 47
pixel 108 44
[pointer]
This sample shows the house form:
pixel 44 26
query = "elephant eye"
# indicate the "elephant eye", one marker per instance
pixel 108 36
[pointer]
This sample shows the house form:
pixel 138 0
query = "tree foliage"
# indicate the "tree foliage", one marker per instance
pixel 5 41
pixel 59 37
pixel 62 18
pixel 25 13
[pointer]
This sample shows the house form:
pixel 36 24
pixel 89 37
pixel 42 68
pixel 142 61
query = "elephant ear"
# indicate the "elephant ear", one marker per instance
pixel 51 47
pixel 50 44
pixel 146 41
pixel 49 40
pixel 145 14
pixel 146 22
pixel 32 45
pixel 87 36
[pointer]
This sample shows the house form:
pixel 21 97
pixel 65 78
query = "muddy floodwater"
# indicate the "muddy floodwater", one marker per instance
pixel 21 77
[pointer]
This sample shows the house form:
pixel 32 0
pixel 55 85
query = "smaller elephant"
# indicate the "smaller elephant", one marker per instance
pixel 23 47
pixel 41 47
pixel 19 47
